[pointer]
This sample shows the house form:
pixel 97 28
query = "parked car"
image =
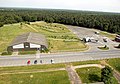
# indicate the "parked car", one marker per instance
pixel 105 39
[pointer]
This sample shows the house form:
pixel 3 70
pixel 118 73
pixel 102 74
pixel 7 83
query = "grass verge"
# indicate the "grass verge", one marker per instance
pixel 30 68
pixel 26 52
pixel 86 62
pixel 103 48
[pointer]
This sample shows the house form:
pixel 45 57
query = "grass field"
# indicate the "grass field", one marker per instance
pixel 57 77
pixel 55 33
pixel 91 75
pixel 86 62
pixel 115 63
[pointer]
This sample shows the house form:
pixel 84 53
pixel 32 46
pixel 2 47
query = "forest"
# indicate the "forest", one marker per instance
pixel 109 22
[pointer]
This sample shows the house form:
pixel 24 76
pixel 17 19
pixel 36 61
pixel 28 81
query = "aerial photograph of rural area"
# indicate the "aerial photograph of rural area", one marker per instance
pixel 59 41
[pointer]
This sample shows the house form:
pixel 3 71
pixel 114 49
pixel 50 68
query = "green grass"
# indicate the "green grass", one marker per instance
pixel 60 45
pixel 115 63
pixel 57 77
pixel 91 75
pixel 30 68
pixel 103 48
pixel 86 62
pixel 109 35
pixel 53 32
pixel 26 52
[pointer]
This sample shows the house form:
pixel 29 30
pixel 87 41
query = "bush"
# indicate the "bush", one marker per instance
pixel 44 51
pixel 107 75
pixel 1 24
pixel 6 53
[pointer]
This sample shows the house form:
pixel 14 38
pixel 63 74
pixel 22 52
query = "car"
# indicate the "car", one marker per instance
pixel 104 39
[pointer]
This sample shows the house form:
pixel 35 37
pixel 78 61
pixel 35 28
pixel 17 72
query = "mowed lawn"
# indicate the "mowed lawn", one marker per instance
pixel 115 63
pixel 55 33
pixel 56 77
pixel 91 75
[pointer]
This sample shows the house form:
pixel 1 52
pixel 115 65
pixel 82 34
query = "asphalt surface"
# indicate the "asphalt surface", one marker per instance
pixel 58 57
pixel 82 32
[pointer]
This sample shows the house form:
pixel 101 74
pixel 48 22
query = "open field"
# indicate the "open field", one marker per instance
pixel 115 63
pixel 55 33
pixel 57 77
pixel 91 75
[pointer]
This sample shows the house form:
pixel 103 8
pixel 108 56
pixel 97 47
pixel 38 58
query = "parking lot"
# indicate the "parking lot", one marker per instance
pixel 82 32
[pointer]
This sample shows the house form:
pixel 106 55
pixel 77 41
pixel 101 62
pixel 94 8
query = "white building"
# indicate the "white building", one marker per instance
pixel 28 41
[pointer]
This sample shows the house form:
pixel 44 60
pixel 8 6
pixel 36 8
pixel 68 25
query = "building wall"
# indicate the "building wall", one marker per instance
pixel 34 46
pixel 18 46
pixel 26 46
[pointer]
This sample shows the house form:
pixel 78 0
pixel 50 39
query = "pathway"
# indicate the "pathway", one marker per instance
pixel 73 76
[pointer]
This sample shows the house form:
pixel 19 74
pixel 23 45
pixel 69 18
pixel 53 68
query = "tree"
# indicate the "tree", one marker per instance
pixel 107 75
pixel 1 24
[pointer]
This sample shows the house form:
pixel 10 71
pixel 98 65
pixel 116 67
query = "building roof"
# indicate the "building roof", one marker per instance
pixel 34 38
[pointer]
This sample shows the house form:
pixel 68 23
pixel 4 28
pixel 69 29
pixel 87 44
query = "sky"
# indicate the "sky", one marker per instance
pixel 91 5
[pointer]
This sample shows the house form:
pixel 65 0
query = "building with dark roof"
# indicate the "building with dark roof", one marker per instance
pixel 28 41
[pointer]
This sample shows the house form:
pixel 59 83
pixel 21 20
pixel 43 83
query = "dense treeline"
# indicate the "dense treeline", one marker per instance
pixel 104 21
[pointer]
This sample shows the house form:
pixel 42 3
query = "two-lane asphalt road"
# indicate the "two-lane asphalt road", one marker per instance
pixel 58 57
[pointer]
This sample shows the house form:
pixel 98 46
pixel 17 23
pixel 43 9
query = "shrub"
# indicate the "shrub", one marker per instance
pixel 6 53
pixel 1 24
pixel 44 51
pixel 107 75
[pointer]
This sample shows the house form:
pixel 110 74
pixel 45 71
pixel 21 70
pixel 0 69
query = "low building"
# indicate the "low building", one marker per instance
pixel 28 41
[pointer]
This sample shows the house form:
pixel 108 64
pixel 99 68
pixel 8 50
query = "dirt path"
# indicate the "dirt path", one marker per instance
pixel 73 76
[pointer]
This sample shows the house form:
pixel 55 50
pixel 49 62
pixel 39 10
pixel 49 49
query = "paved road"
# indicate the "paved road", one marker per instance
pixel 59 57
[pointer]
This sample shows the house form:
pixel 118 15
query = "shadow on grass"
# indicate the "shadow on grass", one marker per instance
pixel 94 78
